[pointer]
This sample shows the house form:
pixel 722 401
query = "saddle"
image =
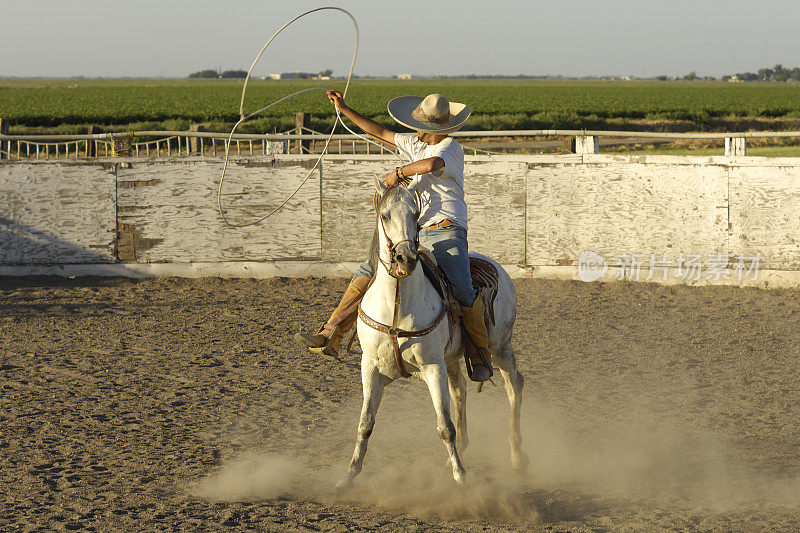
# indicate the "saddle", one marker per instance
pixel 484 279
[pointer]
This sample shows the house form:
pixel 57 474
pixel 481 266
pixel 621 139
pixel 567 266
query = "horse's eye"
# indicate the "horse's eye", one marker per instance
pixel 384 217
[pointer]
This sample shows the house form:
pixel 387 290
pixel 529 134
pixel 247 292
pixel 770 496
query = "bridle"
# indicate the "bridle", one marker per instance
pixel 392 265
pixel 393 331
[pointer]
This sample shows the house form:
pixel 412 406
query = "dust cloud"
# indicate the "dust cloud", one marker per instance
pixel 256 478
pixel 631 457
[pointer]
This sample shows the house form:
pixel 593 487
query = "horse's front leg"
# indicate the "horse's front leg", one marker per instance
pixel 373 384
pixel 435 375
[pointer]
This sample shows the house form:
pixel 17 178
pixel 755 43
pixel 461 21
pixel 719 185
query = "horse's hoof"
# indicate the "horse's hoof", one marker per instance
pixel 520 462
pixel 460 476
pixel 343 485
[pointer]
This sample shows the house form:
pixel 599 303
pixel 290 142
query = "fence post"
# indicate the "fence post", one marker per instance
pixel 5 146
pixel 194 142
pixel 90 152
pixel 302 120
pixel 121 145
pixel 735 146
pixel 585 144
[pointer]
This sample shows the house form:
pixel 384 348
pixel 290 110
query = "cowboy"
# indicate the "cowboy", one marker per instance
pixel 437 169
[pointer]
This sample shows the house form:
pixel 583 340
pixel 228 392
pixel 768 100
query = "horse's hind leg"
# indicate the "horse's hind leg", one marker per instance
pixel 513 383
pixel 458 395
pixel 373 384
pixel 435 376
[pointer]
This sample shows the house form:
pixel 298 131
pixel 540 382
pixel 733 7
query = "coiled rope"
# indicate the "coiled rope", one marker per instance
pixel 243 117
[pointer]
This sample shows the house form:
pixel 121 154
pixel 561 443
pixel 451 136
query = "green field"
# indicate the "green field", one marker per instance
pixel 69 106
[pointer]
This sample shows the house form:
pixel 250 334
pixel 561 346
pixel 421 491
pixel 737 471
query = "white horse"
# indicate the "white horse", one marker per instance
pixel 425 356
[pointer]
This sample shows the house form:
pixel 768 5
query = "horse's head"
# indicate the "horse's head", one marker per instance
pixel 398 209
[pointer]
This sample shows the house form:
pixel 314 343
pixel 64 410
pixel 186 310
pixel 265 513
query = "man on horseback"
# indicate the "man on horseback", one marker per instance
pixel 437 169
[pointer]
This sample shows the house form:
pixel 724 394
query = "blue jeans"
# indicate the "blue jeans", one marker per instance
pixel 449 247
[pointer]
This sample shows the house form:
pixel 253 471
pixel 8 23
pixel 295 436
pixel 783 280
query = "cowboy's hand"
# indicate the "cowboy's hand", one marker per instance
pixel 336 99
pixel 391 179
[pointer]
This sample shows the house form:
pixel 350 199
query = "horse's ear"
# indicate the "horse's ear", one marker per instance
pixel 380 186
pixel 376 201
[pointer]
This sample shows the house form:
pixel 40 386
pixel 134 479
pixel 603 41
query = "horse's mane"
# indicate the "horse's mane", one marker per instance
pixel 373 251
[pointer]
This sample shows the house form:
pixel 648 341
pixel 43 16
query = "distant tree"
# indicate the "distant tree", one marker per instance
pixel 234 74
pixel 662 78
pixel 208 73
pixel 691 76
pixel 748 76
pixel 779 73
pixel 726 77
pixel 326 72
pixel 795 75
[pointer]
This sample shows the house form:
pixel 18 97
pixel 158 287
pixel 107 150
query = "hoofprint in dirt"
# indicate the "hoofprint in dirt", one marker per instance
pixel 185 404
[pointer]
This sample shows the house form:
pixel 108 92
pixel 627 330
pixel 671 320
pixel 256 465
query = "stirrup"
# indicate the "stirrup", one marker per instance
pixel 329 350
pixel 330 347
pixel 475 363
pixel 474 357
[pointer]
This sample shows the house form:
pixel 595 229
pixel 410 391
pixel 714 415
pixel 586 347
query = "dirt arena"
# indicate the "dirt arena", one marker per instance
pixel 184 404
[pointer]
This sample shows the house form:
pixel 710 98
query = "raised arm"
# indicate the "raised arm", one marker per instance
pixel 370 127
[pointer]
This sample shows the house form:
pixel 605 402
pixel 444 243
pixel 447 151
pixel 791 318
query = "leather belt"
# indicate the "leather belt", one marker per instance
pixel 446 223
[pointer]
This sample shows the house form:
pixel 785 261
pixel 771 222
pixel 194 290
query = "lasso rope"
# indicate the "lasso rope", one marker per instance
pixel 243 117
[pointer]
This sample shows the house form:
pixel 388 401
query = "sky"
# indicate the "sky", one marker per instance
pixel 171 38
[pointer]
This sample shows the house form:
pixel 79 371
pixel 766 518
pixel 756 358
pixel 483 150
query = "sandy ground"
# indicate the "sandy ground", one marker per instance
pixel 184 404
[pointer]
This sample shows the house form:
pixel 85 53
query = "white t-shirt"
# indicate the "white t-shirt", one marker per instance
pixel 442 194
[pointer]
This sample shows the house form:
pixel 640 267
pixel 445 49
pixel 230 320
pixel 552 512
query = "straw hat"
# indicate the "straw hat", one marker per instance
pixel 432 114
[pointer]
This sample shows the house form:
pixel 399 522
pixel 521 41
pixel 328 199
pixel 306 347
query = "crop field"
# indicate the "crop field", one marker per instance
pixel 69 105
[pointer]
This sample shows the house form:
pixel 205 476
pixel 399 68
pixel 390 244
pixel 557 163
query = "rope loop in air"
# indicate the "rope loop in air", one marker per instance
pixel 244 117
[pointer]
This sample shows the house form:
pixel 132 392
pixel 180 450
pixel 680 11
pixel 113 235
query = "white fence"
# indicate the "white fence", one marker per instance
pixel 649 218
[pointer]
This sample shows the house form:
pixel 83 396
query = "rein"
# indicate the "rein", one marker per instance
pixel 393 331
